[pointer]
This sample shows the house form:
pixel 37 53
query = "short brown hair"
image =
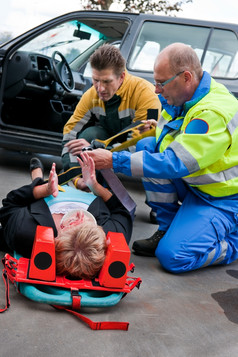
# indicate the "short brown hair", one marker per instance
pixel 80 251
pixel 108 56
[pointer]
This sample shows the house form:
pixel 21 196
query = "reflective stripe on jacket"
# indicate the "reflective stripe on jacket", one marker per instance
pixel 207 141
pixel 199 145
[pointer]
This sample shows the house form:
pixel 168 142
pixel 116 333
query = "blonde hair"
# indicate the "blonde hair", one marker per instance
pixel 80 251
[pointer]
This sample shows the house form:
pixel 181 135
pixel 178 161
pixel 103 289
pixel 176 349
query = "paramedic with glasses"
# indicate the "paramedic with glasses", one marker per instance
pixel 189 170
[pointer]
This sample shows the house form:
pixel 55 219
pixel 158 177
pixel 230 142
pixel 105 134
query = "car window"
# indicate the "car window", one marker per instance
pixel 217 49
pixel 71 39
pixel 221 57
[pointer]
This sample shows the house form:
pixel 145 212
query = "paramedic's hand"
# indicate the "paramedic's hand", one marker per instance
pixel 88 169
pixel 75 146
pixel 102 158
pixel 148 124
pixel 53 181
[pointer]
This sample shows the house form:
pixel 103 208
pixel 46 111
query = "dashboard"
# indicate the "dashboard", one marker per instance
pixel 31 73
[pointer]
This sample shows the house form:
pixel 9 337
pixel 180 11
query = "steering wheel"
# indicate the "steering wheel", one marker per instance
pixel 62 71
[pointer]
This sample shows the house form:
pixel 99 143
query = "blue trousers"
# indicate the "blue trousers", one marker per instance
pixel 198 234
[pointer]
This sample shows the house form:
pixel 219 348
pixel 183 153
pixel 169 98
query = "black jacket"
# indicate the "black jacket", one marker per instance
pixel 21 213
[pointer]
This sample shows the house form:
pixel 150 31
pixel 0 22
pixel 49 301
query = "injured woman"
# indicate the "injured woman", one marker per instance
pixel 80 220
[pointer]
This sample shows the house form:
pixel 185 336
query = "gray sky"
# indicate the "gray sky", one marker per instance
pixel 18 16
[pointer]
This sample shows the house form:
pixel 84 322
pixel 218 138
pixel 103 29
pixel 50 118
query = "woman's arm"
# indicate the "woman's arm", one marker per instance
pixel 110 214
pixel 49 188
pixel 89 177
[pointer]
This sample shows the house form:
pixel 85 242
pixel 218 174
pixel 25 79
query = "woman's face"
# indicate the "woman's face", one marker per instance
pixel 76 217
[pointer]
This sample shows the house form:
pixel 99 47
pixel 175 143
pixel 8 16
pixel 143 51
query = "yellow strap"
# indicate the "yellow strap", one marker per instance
pixel 107 141
pixel 70 174
pixel 61 188
pixel 75 181
pixel 126 144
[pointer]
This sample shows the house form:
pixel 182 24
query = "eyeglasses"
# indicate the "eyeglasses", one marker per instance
pixel 161 85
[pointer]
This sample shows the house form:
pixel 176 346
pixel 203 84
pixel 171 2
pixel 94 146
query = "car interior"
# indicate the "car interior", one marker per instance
pixel 47 76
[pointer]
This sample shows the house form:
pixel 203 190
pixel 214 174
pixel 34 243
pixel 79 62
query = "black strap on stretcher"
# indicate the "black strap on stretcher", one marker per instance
pixel 68 175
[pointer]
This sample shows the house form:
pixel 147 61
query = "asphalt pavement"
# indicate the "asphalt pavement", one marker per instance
pixel 187 315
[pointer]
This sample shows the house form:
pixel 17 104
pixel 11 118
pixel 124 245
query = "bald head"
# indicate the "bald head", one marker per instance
pixel 177 72
pixel 180 57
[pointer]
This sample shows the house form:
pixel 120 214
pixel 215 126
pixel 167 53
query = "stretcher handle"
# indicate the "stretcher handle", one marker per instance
pixel 57 296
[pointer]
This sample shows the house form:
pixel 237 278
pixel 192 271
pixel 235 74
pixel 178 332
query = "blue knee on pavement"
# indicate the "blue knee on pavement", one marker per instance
pixel 168 259
pixel 179 258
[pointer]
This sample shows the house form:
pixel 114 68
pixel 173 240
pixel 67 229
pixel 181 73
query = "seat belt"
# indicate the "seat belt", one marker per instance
pixel 119 190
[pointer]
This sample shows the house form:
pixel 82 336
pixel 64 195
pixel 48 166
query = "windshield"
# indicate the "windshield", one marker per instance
pixel 70 38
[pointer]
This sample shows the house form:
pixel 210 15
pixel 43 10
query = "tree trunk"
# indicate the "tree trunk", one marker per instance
pixel 105 4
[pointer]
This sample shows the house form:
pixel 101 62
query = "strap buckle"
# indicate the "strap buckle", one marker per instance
pixel 76 299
